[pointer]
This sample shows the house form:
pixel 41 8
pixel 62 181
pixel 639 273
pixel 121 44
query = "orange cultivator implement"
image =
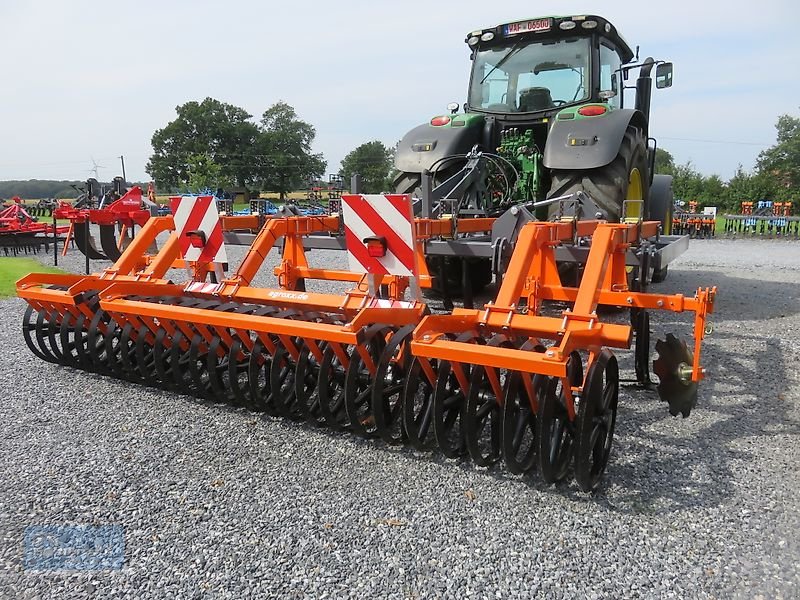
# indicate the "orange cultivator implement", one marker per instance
pixel 501 381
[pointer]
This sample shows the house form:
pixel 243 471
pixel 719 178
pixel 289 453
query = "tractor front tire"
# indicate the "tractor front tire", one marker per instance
pixel 623 178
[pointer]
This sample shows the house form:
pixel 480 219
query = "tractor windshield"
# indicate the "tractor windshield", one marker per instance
pixel 530 77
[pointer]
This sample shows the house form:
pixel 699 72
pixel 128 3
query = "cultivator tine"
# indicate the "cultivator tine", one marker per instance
pixel 86 243
pixel 641 325
pixel 108 241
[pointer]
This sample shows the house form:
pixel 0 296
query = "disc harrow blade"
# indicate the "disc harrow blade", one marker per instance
pixel 360 378
pixel 556 431
pixel 307 382
pixel 418 404
pixel 449 400
pixel 260 366
pixel 520 406
pixel 675 386
pixel 482 418
pixel 388 387
pixel 332 375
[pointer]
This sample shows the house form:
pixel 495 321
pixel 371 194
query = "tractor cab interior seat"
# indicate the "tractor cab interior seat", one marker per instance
pixel 535 98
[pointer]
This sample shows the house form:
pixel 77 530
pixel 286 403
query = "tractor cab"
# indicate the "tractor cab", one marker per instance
pixel 532 69
pixel 545 117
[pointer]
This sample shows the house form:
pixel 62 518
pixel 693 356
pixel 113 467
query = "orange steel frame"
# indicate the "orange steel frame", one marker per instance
pixel 531 277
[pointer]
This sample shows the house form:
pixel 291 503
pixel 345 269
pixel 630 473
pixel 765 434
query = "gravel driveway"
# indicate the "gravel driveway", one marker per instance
pixel 218 502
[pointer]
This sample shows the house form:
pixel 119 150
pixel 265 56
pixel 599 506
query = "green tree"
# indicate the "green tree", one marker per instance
pixel 211 128
pixel 782 161
pixel 665 163
pixel 687 182
pixel 205 173
pixel 744 186
pixel 713 193
pixel 285 161
pixel 373 161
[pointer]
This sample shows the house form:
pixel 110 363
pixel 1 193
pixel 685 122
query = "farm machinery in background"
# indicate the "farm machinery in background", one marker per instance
pixel 764 218
pixel 116 212
pixel 46 207
pixel 22 232
pixel 320 200
pixel 686 220
pixel 528 376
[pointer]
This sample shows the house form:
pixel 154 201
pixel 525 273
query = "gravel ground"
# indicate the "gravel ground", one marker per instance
pixel 222 503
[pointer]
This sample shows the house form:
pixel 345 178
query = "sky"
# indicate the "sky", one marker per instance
pixel 88 81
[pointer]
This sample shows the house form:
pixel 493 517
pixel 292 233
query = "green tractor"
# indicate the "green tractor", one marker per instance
pixel 545 118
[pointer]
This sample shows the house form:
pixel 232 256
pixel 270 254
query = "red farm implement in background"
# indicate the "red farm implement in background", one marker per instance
pixel 116 221
pixel 21 232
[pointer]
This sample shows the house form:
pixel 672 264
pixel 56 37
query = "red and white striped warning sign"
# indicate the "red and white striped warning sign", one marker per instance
pixel 199 229
pixel 379 233
pixel 201 287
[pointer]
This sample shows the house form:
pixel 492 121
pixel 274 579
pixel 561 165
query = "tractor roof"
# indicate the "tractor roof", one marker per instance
pixel 565 25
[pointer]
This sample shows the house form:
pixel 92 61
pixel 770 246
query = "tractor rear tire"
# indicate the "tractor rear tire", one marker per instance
pixel 408 183
pixel 609 186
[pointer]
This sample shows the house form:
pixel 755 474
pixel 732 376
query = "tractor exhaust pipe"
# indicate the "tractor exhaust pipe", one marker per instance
pixel 644 88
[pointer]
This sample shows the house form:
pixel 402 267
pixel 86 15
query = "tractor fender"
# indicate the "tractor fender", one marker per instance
pixel 421 147
pixel 661 202
pixel 588 143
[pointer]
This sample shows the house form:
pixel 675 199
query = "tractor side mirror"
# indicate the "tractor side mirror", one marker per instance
pixel 664 75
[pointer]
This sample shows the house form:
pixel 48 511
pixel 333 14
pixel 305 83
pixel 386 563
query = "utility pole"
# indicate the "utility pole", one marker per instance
pixel 124 179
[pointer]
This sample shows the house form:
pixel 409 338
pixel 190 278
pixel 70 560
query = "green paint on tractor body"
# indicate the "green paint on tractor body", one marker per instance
pixel 520 149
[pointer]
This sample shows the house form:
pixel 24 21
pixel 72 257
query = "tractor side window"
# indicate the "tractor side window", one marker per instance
pixel 495 88
pixel 609 64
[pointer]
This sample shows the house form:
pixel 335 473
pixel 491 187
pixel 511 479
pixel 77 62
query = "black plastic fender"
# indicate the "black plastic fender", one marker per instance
pixel 589 143
pixel 661 202
pixel 425 144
